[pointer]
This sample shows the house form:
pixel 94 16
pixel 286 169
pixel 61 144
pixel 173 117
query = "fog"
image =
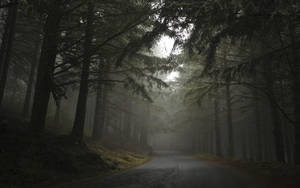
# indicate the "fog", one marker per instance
pixel 160 93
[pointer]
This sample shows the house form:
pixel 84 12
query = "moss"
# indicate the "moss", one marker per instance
pixel 121 159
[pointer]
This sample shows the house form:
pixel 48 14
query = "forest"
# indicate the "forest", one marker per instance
pixel 150 93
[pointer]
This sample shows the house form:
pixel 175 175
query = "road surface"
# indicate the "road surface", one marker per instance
pixel 174 170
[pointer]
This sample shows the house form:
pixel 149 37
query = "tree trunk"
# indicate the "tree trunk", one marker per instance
pixel 46 68
pixel 12 99
pixel 30 89
pixel 101 103
pixel 217 124
pixel 145 126
pixel 250 144
pixel 128 119
pixel 144 136
pixel 257 125
pixel 296 89
pixel 57 114
pixel 121 122
pixel 194 135
pixel 98 117
pixel 229 120
pixel 297 117
pixel 212 139
pixel 277 133
pixel 277 129
pixel 78 128
pixel 244 147
pixel 135 134
pixel 6 46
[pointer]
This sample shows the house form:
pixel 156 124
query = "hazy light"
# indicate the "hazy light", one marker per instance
pixel 164 47
pixel 172 76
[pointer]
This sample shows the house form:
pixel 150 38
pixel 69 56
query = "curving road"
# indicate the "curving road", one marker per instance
pixel 174 170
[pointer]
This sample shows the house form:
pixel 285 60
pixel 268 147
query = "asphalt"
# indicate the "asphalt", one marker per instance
pixel 174 170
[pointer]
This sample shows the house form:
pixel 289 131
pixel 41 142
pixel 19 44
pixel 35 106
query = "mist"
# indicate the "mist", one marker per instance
pixel 157 93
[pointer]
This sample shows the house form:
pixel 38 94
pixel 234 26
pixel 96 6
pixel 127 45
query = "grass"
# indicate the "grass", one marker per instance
pixel 272 174
pixel 121 158
pixel 27 160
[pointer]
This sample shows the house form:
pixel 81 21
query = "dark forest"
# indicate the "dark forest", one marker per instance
pixel 150 93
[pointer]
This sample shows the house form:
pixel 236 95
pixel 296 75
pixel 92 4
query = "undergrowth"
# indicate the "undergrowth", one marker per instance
pixel 29 160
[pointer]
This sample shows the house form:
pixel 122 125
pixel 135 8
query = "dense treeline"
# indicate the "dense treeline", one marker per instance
pixel 243 70
pixel 90 60
pixel 86 68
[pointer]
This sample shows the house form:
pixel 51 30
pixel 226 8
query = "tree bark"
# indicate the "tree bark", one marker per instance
pixel 257 125
pixel 229 120
pixel 144 136
pixel 46 67
pixel 128 119
pixel 244 147
pixel 98 117
pixel 6 46
pixel 32 75
pixel 57 113
pixel 100 108
pixel 145 126
pixel 277 129
pixel 136 133
pixel 78 128
pixel 217 124
pixel 296 89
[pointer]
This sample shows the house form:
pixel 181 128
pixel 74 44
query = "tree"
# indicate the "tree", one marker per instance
pixel 217 123
pixel 77 131
pixel 6 45
pixel 272 23
pixel 32 75
pixel 47 60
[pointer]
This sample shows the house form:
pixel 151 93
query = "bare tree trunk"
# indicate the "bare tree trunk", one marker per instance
pixel 6 46
pixel 145 127
pixel 244 147
pixel 212 137
pixel 288 145
pixel 78 128
pixel 296 88
pixel 277 133
pixel 229 120
pixel 128 118
pixel 194 139
pixel 104 108
pixel 57 113
pixel 121 122
pixel 276 122
pixel 46 67
pixel 32 75
pixel 98 126
pixel 217 124
pixel 250 144
pixel 136 133
pixel 257 125
pixel 297 115
pixel 200 140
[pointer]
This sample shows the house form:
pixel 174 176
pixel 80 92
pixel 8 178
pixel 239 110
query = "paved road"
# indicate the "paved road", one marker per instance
pixel 174 170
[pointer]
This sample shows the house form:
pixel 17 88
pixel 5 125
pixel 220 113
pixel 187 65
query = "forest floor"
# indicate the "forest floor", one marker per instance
pixel 271 174
pixel 27 160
